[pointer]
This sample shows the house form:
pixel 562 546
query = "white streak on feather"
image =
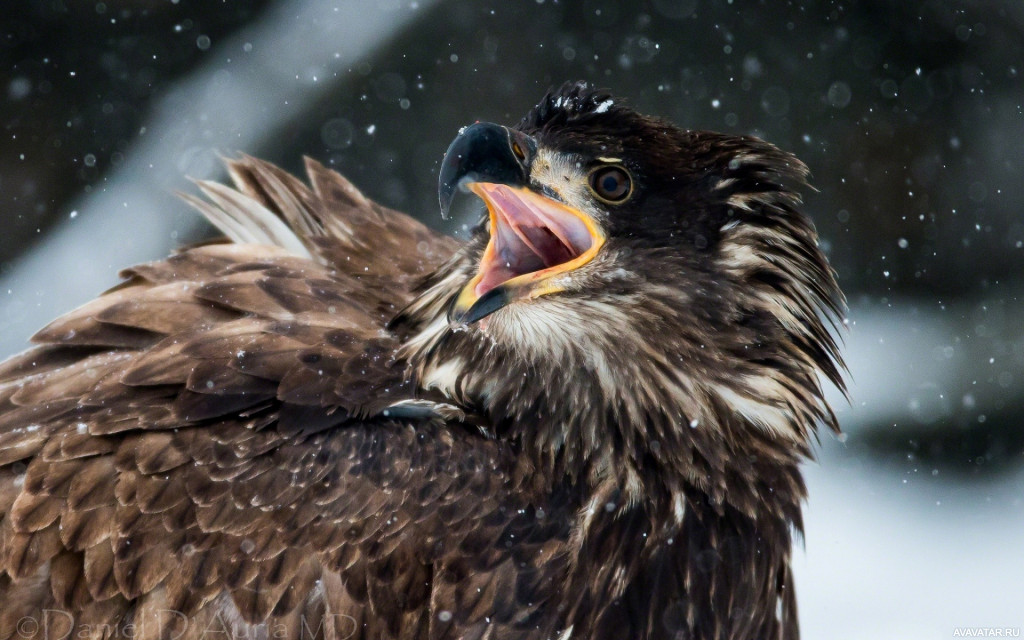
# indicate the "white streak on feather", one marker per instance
pixel 772 419
pixel 744 158
pixel 741 201
pixel 723 183
pixel 592 508
pixel 679 506
pixel 246 221
pixel 425 409
pixel 443 377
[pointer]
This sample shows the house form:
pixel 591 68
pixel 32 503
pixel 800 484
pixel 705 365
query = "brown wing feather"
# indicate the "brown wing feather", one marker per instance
pixel 340 225
pixel 207 440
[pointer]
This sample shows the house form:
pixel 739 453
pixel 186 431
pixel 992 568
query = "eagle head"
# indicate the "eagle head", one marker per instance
pixel 637 296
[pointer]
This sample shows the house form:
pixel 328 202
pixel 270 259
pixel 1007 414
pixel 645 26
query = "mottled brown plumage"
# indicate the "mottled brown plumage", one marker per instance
pixel 319 430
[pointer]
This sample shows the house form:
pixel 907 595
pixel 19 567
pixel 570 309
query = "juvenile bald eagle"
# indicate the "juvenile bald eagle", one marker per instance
pixel 585 422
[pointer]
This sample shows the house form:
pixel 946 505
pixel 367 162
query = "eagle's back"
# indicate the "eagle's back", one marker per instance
pixel 228 442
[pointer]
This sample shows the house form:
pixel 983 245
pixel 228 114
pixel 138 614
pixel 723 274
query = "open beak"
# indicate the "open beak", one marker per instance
pixel 534 238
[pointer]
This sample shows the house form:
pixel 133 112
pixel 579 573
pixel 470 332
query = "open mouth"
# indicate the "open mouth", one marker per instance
pixel 532 238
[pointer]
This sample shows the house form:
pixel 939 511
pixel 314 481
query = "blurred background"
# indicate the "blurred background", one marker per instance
pixel 910 115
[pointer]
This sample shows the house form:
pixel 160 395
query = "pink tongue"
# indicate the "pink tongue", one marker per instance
pixel 512 257
pixel 528 238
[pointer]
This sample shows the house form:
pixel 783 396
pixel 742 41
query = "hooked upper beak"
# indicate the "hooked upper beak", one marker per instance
pixel 534 237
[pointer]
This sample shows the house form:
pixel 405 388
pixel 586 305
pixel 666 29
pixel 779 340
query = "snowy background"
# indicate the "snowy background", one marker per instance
pixel 910 115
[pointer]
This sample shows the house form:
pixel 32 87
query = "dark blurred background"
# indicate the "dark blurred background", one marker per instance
pixel 910 115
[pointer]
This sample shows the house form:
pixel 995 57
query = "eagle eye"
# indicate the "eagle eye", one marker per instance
pixel 611 184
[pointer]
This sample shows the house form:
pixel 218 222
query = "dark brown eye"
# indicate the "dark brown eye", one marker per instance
pixel 611 184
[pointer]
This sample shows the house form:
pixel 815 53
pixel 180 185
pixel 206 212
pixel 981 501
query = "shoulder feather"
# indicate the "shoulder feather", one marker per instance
pixel 213 436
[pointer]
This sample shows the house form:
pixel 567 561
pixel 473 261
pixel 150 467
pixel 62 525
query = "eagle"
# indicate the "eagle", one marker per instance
pixel 585 421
